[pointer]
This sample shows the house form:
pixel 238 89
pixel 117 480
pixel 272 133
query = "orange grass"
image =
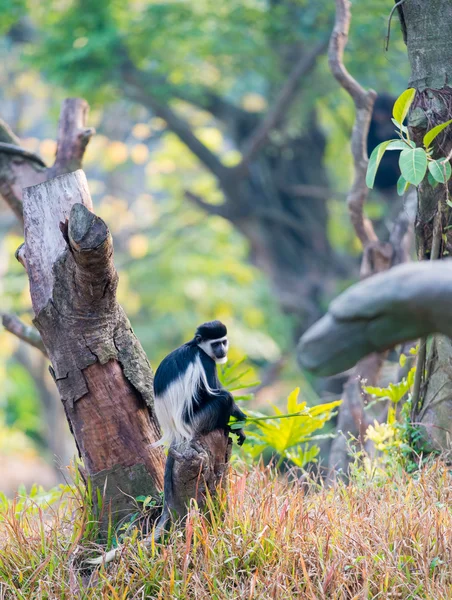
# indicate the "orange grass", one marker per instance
pixel 268 538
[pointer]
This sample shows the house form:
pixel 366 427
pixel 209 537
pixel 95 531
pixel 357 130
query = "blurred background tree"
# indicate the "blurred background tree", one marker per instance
pixel 225 110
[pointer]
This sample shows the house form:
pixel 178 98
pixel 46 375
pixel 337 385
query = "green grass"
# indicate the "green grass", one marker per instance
pixel 267 538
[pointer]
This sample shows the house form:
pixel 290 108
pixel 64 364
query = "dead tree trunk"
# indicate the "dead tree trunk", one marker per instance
pixel 102 373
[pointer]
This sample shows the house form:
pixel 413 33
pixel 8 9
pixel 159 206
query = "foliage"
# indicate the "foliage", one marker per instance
pixel 289 434
pixel 400 443
pixel 267 536
pixel 414 162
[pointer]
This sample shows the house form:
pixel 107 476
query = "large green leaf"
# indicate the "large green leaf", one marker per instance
pixel 402 185
pixel 440 170
pixel 402 105
pixel 374 161
pixel 413 165
pixel 431 135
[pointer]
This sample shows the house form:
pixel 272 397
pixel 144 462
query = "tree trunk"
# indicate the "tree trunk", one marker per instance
pixel 427 27
pixel 102 373
pixel 276 196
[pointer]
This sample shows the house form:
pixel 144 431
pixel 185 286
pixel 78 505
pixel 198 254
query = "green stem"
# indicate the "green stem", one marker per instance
pixel 270 418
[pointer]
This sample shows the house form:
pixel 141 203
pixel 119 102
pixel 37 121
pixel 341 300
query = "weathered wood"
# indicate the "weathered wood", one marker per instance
pixel 195 469
pixel 405 303
pixel 102 373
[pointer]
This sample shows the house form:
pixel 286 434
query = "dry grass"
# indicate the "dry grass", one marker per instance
pixel 275 539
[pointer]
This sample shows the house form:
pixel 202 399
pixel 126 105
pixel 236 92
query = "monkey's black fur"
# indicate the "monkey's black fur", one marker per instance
pixel 211 405
pixel 212 330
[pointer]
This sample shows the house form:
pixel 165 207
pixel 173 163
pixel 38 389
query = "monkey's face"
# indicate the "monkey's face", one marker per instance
pixel 216 349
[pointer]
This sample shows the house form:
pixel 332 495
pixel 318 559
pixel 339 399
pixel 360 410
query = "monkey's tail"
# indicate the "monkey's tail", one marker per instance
pixel 105 558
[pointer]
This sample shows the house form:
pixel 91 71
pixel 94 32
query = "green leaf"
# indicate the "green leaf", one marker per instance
pixel 374 161
pixel 399 126
pixel 402 105
pixel 432 181
pixel 397 145
pixel 413 165
pixel 431 135
pixel 440 170
pixel 402 185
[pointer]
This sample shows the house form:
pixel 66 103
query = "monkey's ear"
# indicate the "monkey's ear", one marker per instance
pixel 198 338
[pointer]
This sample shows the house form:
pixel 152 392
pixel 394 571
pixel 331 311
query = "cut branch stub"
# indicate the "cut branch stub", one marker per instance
pixel 102 373
pixel 73 136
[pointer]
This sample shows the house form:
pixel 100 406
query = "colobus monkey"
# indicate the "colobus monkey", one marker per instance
pixel 189 399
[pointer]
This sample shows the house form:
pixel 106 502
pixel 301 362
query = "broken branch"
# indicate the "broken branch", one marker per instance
pixel 24 332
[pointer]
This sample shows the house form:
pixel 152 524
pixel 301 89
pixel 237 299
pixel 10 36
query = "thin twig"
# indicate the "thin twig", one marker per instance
pixel 26 333
pixel 146 97
pixel 388 34
pixel 211 209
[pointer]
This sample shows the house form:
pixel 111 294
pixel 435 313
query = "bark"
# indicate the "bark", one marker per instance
pixel 101 371
pixel 193 472
pixel 59 444
pixel 427 26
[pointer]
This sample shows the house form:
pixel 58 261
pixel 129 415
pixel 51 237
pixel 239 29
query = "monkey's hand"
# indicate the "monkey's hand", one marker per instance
pixel 241 437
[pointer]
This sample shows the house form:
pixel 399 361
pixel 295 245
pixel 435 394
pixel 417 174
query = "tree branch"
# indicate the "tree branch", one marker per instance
pixel 21 152
pixel 364 101
pixel 73 137
pixel 211 209
pixel 25 332
pixel 407 302
pixel 133 78
pixel 7 136
pixel 282 103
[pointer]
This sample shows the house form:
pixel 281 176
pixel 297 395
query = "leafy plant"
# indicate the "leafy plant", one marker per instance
pixel 394 393
pixel 399 442
pixel 289 434
pixel 236 376
pixel 414 162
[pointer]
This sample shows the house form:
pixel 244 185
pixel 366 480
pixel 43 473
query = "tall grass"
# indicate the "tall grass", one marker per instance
pixel 267 537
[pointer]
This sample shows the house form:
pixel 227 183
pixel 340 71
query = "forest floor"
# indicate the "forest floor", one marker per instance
pixel 268 537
